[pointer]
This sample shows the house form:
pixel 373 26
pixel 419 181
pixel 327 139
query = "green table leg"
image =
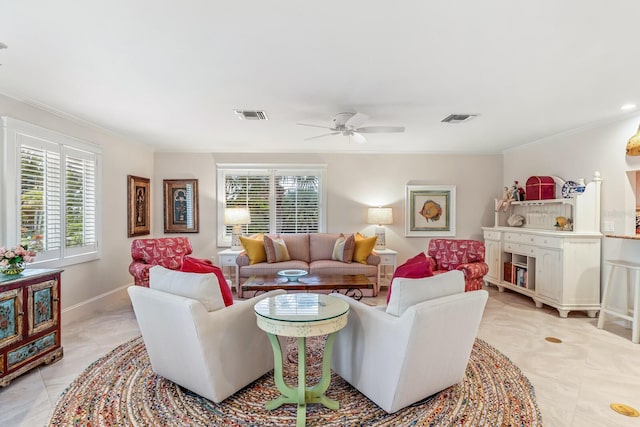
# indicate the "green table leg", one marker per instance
pixel 316 393
pixel 302 395
pixel 301 418
pixel 285 391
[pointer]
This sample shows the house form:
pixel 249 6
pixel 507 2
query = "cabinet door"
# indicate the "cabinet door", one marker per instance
pixel 492 256
pixel 42 305
pixel 10 317
pixel 549 274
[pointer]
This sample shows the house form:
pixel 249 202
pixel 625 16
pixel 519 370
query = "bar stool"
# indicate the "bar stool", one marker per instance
pixel 633 293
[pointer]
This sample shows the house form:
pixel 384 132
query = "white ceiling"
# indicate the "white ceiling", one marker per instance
pixel 170 73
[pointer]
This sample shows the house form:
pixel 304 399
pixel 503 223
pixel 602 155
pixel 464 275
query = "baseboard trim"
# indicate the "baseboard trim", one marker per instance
pixel 87 309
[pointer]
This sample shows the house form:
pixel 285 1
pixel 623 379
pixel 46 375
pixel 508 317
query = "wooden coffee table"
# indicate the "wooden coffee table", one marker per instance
pixel 347 284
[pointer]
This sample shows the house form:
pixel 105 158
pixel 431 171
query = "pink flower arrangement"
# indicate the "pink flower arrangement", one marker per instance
pixel 15 255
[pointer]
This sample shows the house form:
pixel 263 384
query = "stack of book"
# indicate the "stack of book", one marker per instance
pixel 516 274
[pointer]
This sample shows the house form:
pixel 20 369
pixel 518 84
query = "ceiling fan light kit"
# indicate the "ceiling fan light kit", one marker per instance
pixel 349 124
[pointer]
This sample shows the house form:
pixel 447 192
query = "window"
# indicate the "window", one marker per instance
pixel 281 199
pixel 55 193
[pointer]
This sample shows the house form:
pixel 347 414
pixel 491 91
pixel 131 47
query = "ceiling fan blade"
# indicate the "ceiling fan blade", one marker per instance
pixel 315 126
pixel 356 121
pixel 320 136
pixel 358 138
pixel 381 129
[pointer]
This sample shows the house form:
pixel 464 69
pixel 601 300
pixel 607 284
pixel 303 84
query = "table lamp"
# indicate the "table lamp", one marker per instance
pixel 236 217
pixel 380 216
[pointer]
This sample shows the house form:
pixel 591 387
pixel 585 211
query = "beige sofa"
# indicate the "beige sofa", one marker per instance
pixel 310 252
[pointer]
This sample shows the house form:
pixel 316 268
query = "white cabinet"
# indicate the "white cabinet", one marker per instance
pixel 493 257
pixel 549 274
pixel 556 268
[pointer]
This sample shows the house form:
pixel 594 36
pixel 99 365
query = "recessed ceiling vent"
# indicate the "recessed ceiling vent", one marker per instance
pixel 458 118
pixel 251 115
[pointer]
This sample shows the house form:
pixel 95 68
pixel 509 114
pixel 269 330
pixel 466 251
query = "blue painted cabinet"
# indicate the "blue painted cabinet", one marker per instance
pixel 29 321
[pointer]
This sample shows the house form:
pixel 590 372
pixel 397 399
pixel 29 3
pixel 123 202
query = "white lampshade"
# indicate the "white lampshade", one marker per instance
pixel 237 216
pixel 380 216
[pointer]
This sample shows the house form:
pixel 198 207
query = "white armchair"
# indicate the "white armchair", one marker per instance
pixel 212 353
pixel 398 360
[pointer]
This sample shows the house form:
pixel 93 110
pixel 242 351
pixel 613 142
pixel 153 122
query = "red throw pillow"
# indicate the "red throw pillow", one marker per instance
pixel 197 265
pixel 414 268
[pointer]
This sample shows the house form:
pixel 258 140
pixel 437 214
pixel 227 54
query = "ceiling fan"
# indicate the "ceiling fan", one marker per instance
pixel 348 124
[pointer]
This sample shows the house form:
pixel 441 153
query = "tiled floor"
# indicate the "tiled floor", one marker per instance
pixel 575 381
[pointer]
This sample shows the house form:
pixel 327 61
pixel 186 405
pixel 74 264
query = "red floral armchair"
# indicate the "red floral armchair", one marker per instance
pixel 166 251
pixel 464 255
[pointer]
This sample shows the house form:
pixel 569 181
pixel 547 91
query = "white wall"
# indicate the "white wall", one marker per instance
pixel 86 281
pixel 200 166
pixel 577 154
pixel 354 183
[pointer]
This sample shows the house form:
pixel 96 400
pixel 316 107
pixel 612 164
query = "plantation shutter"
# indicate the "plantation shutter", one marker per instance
pixel 250 190
pixel 80 200
pixel 297 203
pixel 280 200
pixel 40 197
pixel 57 188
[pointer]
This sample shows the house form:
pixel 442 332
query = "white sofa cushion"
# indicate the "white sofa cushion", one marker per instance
pixel 408 292
pixel 202 287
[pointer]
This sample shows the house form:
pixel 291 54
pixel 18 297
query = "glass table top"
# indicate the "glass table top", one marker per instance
pixel 301 307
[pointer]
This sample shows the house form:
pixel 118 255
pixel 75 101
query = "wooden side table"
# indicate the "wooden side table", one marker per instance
pixel 302 315
pixel 227 258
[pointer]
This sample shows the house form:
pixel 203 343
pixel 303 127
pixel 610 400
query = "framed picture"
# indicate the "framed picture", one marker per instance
pixel 138 206
pixel 430 210
pixel 181 206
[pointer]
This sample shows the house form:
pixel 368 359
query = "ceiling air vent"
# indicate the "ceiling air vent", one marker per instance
pixel 251 115
pixel 458 118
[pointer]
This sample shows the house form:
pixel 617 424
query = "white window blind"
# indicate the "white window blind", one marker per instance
pixel 56 189
pixel 40 200
pixel 80 200
pixel 297 203
pixel 280 199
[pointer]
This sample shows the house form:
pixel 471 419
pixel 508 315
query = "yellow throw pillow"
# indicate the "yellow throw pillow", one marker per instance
pixel 254 248
pixel 364 246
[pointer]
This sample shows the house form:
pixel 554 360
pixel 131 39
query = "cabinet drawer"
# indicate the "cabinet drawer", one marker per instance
pixel 492 235
pixel 549 242
pixel 227 260
pixel 520 248
pixel 519 238
pixel 27 352
pixel 387 259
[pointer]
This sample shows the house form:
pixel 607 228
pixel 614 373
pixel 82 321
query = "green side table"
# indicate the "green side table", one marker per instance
pixel 302 315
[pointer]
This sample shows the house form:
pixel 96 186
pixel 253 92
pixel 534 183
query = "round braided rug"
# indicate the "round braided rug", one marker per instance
pixel 121 389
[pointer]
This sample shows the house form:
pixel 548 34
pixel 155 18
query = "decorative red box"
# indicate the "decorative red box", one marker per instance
pixel 541 188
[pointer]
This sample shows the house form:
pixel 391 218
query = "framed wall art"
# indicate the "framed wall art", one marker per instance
pixel 430 210
pixel 181 206
pixel 138 206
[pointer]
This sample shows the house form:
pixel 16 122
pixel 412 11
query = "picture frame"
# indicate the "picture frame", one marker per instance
pixel 181 206
pixel 430 210
pixel 138 206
